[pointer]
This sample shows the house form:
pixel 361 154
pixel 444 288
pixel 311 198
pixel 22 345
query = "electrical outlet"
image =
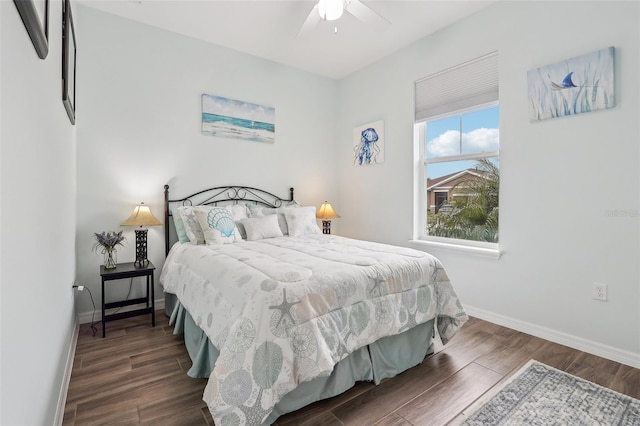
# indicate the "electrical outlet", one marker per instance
pixel 600 291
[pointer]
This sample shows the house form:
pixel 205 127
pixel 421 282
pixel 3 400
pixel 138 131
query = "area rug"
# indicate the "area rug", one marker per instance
pixel 542 395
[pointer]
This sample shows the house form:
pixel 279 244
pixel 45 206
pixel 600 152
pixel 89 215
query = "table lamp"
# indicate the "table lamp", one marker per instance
pixel 141 217
pixel 326 213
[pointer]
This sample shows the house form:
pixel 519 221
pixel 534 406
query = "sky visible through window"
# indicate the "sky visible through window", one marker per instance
pixel 480 133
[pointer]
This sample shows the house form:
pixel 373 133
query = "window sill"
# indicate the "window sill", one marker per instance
pixel 459 248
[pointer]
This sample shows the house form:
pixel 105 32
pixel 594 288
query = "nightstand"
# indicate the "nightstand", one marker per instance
pixel 128 270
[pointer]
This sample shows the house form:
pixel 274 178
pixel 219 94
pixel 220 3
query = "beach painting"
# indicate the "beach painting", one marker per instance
pixel 573 86
pixel 230 118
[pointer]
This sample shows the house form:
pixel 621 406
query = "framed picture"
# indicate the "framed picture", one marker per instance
pixel 573 86
pixel 68 62
pixel 35 16
pixel 368 143
pixel 230 118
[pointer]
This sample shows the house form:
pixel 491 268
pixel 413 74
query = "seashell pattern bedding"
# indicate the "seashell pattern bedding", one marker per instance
pixel 285 310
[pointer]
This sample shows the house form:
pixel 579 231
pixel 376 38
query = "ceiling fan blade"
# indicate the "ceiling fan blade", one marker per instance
pixel 310 23
pixel 366 14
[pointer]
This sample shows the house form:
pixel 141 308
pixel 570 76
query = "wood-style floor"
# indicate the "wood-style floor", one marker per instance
pixel 137 375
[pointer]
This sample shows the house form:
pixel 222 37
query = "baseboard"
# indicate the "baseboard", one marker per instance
pixel 614 354
pixel 91 316
pixel 64 388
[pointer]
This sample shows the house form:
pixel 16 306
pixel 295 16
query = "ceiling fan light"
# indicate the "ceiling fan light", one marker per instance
pixel 330 10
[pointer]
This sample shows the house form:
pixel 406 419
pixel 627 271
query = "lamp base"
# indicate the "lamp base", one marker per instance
pixel 141 247
pixel 326 226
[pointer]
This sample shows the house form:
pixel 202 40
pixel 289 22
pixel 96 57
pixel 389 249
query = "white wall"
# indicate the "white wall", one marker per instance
pixel 38 177
pixel 139 91
pixel 559 177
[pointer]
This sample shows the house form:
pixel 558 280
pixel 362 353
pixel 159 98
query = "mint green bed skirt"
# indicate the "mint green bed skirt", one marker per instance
pixel 382 359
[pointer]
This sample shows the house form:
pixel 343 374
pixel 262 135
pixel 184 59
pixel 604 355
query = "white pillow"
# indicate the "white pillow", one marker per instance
pixel 259 228
pixel 217 225
pixel 255 211
pixel 239 212
pixel 301 220
pixel 191 224
pixel 178 223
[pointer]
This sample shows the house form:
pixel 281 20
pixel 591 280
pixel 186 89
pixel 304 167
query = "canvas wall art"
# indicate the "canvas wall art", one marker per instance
pixel 368 143
pixel 573 86
pixel 230 118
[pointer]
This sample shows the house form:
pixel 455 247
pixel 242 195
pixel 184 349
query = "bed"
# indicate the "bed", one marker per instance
pixel 278 315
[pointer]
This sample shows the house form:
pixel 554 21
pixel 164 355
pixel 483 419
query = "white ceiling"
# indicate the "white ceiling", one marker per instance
pixel 269 29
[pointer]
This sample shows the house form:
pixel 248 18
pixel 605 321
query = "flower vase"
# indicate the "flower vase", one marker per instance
pixel 110 258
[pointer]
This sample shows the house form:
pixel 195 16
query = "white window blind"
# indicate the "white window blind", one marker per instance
pixel 464 86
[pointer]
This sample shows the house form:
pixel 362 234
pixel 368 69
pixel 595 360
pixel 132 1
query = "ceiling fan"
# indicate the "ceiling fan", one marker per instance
pixel 331 10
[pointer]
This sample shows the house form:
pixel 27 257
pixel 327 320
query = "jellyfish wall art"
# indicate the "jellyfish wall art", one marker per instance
pixel 573 86
pixel 368 143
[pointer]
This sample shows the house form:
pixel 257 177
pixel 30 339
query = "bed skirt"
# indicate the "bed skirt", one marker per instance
pixel 382 359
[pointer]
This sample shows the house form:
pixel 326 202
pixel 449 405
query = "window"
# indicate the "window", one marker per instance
pixel 457 141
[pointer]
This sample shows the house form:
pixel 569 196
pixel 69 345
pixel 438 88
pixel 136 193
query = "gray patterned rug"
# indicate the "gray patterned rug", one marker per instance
pixel 541 395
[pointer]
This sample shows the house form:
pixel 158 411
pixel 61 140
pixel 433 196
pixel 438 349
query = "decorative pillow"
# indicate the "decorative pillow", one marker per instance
pixel 301 221
pixel 259 211
pixel 191 224
pixel 259 228
pixel 217 225
pixel 239 212
pixel 268 211
pixel 293 203
pixel 180 229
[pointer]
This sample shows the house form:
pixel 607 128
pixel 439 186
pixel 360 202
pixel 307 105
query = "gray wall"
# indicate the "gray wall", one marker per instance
pixel 139 128
pixel 38 198
pixel 560 178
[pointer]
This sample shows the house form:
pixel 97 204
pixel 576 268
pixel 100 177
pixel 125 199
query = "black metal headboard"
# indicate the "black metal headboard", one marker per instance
pixel 219 194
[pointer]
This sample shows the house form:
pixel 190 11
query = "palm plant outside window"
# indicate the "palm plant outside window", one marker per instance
pixel 463 175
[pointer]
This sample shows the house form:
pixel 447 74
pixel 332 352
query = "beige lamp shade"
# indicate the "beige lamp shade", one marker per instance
pixel 326 211
pixel 141 216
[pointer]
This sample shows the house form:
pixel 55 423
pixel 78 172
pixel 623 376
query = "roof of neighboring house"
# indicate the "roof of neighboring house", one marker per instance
pixel 439 181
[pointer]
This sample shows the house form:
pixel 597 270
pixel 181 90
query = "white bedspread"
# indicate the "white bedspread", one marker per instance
pixel 285 310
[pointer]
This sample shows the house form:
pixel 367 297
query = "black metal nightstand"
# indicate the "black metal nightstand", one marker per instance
pixel 129 270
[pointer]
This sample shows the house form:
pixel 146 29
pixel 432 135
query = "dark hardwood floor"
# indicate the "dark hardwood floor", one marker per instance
pixel 137 375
